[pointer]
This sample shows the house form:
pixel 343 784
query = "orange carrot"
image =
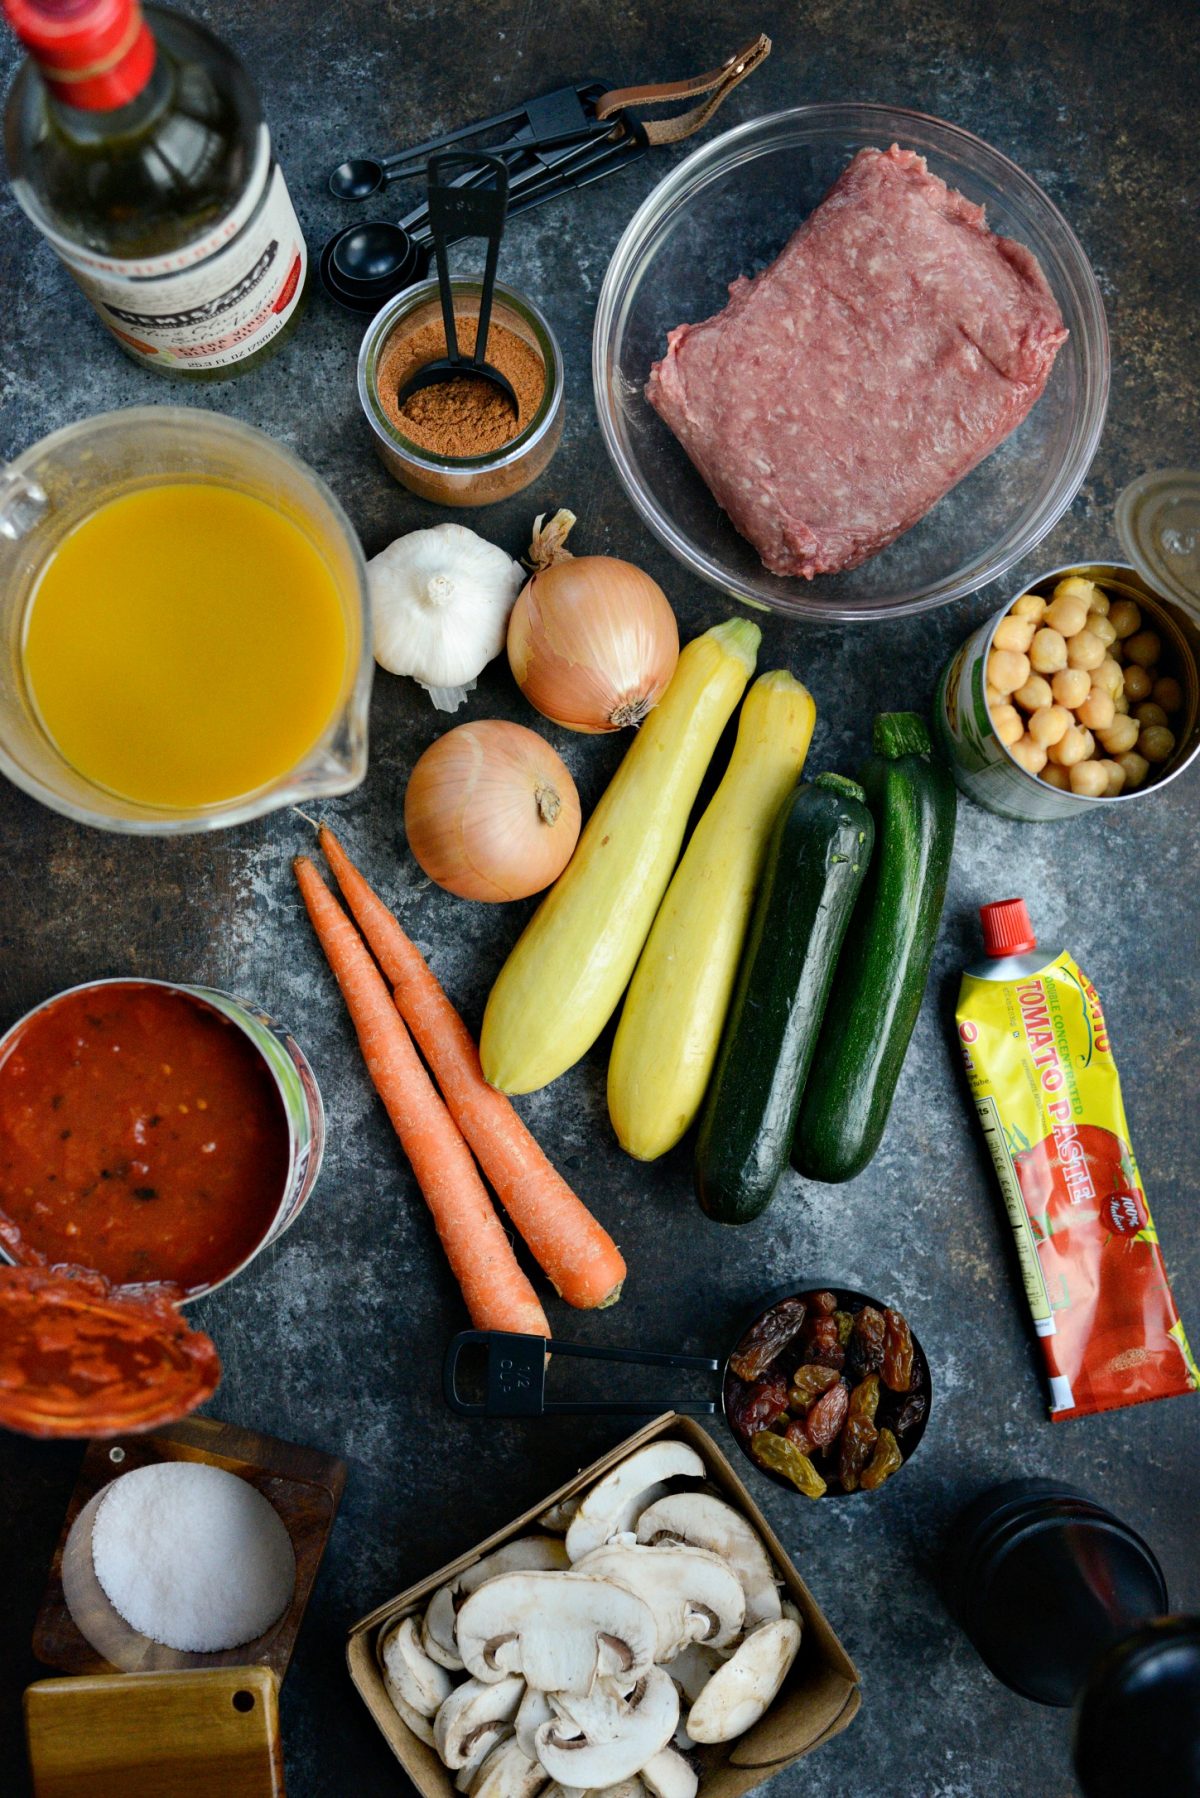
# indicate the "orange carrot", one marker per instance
pixel 498 1295
pixel 573 1249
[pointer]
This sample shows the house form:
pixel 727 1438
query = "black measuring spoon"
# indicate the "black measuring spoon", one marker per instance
pixel 362 176
pixel 456 212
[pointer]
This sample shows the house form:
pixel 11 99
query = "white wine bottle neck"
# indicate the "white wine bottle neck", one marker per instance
pixel 96 56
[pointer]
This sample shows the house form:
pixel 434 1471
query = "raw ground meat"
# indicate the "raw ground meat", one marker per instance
pixel 889 348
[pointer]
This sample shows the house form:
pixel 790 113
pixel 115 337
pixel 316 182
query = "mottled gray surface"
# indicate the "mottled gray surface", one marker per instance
pixel 334 1337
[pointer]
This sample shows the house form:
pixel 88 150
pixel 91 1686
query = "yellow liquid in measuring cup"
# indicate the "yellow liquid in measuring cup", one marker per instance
pixel 185 645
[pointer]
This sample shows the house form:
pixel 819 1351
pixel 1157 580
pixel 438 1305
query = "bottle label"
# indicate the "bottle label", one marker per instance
pixel 212 302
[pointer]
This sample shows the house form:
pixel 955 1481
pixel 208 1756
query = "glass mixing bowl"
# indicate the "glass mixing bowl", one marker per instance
pixel 728 210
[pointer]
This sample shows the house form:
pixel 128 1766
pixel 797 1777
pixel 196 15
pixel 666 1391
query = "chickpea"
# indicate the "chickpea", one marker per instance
pixel 1014 633
pixel 1121 703
pixel 1076 586
pixel 995 697
pixel 1054 776
pixel 1102 628
pixel 1075 746
pixel 1048 651
pixel 1085 651
pixel 1149 713
pixel 1067 614
pixel 1156 742
pixel 1144 649
pixel 1116 777
pixel 1034 693
pixel 1109 677
pixel 1030 605
pixel 1029 754
pixel 1122 734
pixel 1050 724
pixel 1167 693
pixel 1007 669
pixel 1125 616
pixel 1137 683
pixel 1098 604
pixel 1136 767
pixel 1089 780
pixel 1097 710
pixel 1007 723
pixel 1071 686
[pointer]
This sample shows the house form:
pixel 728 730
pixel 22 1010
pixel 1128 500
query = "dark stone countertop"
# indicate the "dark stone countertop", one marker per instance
pixel 334 1337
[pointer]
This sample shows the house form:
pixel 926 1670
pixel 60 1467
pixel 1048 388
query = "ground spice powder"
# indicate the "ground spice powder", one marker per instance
pixel 460 417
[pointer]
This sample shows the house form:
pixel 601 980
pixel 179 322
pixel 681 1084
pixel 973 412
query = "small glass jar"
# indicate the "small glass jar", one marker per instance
pixel 463 480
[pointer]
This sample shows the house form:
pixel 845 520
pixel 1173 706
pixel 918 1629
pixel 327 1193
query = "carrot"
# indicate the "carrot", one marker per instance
pixel 573 1249
pixel 498 1295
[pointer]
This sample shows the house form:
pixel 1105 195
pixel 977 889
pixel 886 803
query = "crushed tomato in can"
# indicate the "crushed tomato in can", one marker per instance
pixel 1042 1075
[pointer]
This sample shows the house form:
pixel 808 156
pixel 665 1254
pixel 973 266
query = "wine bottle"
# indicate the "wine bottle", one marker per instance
pixel 137 145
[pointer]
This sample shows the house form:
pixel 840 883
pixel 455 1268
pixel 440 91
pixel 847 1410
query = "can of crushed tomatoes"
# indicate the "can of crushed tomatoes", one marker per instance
pixel 158 1134
pixel 986 770
pixel 1042 1076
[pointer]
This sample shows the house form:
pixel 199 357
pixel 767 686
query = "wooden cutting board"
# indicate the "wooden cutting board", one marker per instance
pixel 156 1735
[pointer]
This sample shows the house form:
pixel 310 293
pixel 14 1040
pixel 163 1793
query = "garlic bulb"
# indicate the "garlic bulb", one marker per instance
pixel 440 600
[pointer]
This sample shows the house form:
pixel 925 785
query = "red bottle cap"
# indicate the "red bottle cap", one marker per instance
pixel 93 54
pixel 1006 928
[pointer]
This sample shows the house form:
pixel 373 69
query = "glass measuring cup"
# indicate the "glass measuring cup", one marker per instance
pixel 61 480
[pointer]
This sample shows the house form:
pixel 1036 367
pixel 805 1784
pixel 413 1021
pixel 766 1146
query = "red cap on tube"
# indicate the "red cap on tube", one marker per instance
pixel 96 55
pixel 1006 928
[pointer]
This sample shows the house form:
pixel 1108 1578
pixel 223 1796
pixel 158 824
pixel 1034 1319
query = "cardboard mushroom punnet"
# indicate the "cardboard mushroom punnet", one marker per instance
pixel 819 1696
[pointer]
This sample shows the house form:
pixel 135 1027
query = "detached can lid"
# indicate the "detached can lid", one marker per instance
pixel 1007 929
pixel 81 1358
pixel 1158 523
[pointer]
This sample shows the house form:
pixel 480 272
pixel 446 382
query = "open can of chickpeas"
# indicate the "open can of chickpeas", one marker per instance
pixel 1083 692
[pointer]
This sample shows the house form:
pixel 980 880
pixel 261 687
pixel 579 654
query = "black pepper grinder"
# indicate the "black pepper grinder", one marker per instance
pixel 1064 1601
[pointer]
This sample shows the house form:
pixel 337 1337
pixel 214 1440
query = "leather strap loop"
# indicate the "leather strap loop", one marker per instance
pixel 715 84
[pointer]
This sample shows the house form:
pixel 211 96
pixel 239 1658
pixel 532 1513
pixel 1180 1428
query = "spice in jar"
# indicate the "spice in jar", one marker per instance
pixel 461 417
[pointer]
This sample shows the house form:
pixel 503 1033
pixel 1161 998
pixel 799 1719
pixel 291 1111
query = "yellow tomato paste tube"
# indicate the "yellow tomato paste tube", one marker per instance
pixel 1043 1079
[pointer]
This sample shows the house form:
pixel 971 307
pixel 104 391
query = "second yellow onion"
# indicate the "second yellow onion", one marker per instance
pixel 491 812
pixel 592 642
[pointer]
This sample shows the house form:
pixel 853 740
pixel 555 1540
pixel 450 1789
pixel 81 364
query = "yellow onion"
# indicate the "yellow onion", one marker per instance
pixel 592 641
pixel 491 811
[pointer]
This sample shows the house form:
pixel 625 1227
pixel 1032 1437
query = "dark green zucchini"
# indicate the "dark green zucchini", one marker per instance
pixel 815 863
pixel 885 960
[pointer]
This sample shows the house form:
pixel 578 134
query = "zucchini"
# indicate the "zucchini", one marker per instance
pixel 568 969
pixel 667 1039
pixel 816 861
pixel 884 965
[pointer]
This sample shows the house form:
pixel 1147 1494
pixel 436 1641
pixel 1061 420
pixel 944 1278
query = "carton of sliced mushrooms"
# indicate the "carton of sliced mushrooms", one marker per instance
pixel 640 1634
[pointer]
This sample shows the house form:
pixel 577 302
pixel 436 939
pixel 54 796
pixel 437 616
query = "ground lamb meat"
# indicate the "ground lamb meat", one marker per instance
pixel 888 349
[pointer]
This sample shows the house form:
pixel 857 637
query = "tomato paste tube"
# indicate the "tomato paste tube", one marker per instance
pixel 1045 1084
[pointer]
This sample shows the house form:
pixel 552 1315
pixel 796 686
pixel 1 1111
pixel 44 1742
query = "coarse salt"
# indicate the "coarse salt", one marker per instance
pixel 192 1556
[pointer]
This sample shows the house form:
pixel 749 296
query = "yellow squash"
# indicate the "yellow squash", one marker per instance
pixel 667 1039
pixel 565 977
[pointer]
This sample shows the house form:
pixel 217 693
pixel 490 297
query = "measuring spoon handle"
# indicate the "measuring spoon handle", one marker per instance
pixel 456 212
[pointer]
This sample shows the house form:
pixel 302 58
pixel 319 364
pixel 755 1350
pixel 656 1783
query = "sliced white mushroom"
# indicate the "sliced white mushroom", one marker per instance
pixel 740 1692
pixel 528 1552
pixel 625 1788
pixel 556 1790
pixel 561 1631
pixel 597 1714
pixel 615 1502
pixel 693 1668
pixel 475 1712
pixel 468 1773
pixel 706 1522
pixel 667 1775
pixel 559 1517
pixel 694 1596
pixel 421 1727
pixel 533 1710
pixel 648 1719
pixel 791 1609
pixel 418 1679
pixel 508 1772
